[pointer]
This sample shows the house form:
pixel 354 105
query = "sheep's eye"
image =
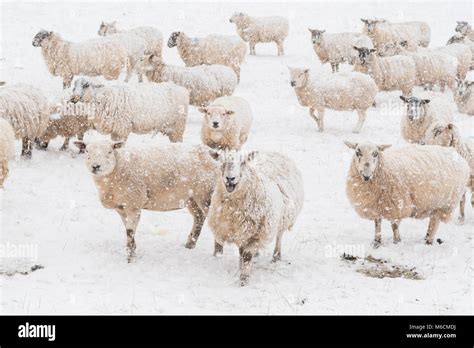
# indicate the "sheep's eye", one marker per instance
pixel 375 154
pixel 437 132
pixel 358 153
pixel 86 85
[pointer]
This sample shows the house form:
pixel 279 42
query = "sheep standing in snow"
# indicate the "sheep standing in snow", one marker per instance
pixel 97 57
pixel 337 48
pixel 158 178
pixel 257 198
pixel 465 29
pixel 413 181
pixel 226 50
pixel 143 108
pixel 447 134
pixel 339 91
pixel 459 38
pixel 462 53
pixel 227 123
pixel 204 82
pixel 389 73
pixel 421 114
pixel 464 97
pixel 137 42
pixel 256 30
pixel 7 148
pixel 27 110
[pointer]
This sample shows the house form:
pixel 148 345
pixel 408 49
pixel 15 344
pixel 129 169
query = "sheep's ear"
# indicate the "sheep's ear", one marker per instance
pixel 405 100
pixel 250 156
pixel 350 145
pixel 356 48
pixel 364 20
pixel 450 126
pixel 229 112
pixel 80 145
pixel 306 71
pixel 215 154
pixel 118 144
pixel 383 147
pixel 372 50
pixel 2 83
pixel 310 30
pixel 202 110
pixel 425 101
pixel 470 83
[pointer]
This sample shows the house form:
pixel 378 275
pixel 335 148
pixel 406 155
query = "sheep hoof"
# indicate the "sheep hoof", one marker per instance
pixel 356 131
pixel 62 148
pixel 376 244
pixel 190 244
pixel 276 258
pixel 397 241
pixel 218 249
pixel 244 280
pixel 428 241
pixel 460 221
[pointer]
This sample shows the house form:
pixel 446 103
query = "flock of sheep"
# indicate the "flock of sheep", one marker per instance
pixel 250 198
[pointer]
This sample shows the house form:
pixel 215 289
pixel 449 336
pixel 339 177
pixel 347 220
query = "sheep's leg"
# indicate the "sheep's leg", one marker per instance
pixel 237 72
pixel 432 229
pixel 360 123
pixel 198 222
pixel 176 136
pixel 333 67
pixel 130 219
pixel 41 145
pixel 26 147
pixel 277 251
pixel 442 86
pixel 252 48
pixel 65 145
pixel 396 231
pixel 67 80
pixel 378 233
pixel 462 204
pixel 82 148
pixel 140 77
pixel 280 48
pixel 245 266
pixel 130 68
pixel 4 172
pixel 218 249
pixel 314 114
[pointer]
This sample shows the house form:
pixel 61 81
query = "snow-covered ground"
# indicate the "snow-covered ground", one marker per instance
pixel 51 203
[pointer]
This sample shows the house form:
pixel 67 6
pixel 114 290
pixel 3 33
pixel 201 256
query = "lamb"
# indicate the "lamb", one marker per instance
pixel 158 178
pixel 412 181
pixel 421 114
pixel 143 108
pixel 226 123
pixel 462 53
pixel 27 110
pixel 337 48
pixel 465 29
pixel 258 196
pixel 226 50
pixel 7 148
pixel 464 97
pixel 389 73
pixel 261 29
pixel 97 57
pixel 340 91
pixel 447 134
pixel 459 38
pixel 204 82
pixel 137 42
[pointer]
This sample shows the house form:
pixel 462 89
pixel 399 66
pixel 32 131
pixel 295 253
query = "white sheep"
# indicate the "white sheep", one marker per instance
pixel 462 39
pixel 462 53
pixel 447 134
pixel 389 73
pixel 421 114
pixel 137 42
pixel 414 181
pixel 7 148
pixel 157 178
pixel 339 91
pixel 227 50
pixel 96 57
pixel 204 82
pixel 27 110
pixel 464 97
pixel 465 29
pixel 256 30
pixel 257 198
pixel 142 108
pixel 227 123
pixel 337 48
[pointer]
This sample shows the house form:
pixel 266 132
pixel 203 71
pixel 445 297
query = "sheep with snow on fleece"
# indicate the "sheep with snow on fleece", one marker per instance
pixel 421 114
pixel 228 50
pixel 204 82
pixel 256 30
pixel 447 134
pixel 339 91
pixel 459 38
pixel 337 48
pixel 413 181
pixel 465 29
pixel 7 148
pixel 137 42
pixel 143 108
pixel 96 57
pixel 27 110
pixel 157 178
pixel 462 53
pixel 227 123
pixel 389 73
pixel 464 97
pixel 258 196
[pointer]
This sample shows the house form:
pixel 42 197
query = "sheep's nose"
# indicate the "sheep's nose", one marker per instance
pixel 95 167
pixel 230 20
pixel 215 124
pixel 230 178
pixel 293 83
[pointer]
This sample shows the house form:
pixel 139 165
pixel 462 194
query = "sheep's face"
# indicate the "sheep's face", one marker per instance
pixel 463 88
pixel 233 167
pixel 82 91
pixel 298 77
pixel 147 63
pixel 237 17
pixel 316 36
pixel 173 40
pixel 107 28
pixel 415 107
pixel 365 55
pixel 366 158
pixel 40 37
pixel 216 116
pixel 440 134
pixel 371 24
pixel 461 27
pixel 456 38
pixel 101 158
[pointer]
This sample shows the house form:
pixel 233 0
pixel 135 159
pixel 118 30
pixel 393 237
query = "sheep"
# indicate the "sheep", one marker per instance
pixel 137 42
pixel 413 181
pixel 459 38
pixel 143 108
pixel 464 97
pixel 465 29
pixel 447 134
pixel 337 48
pixel 97 57
pixel 421 114
pixel 226 123
pixel 462 53
pixel 7 148
pixel 261 29
pixel 226 50
pixel 340 91
pixel 27 110
pixel 204 82
pixel 258 196
pixel 158 178
pixel 389 73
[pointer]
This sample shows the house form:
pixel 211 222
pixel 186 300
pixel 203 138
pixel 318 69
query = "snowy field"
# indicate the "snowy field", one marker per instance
pixel 51 203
